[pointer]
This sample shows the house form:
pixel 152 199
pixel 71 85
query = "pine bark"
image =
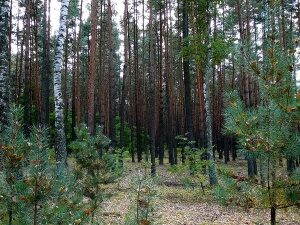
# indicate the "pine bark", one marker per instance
pixel 37 85
pixel 91 85
pixel 137 85
pixel 45 72
pixel 27 105
pixel 77 71
pixel 112 82
pixel 161 92
pixel 207 68
pixel 60 142
pixel 152 92
pixel 187 82
pixel 125 74
pixel 170 102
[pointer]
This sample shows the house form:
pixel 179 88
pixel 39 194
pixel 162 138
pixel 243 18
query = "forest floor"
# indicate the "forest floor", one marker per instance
pixel 177 204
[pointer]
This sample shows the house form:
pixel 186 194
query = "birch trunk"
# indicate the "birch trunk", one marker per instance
pixel 60 142
pixel 4 73
pixel 4 12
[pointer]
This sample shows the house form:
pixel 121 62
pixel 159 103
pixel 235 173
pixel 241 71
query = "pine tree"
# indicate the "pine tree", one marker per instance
pixel 267 133
pixel 32 188
pixel 37 190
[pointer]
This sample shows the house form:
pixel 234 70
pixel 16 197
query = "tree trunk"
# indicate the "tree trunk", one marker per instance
pixel 4 94
pixel 273 215
pixel 187 83
pixel 112 98
pixel 131 111
pixel 65 84
pixel 60 144
pixel 169 85
pixel 161 93
pixel 137 85
pixel 298 14
pixel 144 123
pixel 36 91
pixel 4 72
pixel 245 94
pixel 91 86
pixel 45 72
pixel 181 116
pixel 77 72
pixel 152 93
pixel 27 106
pixel 283 25
pixel 125 72
pixel 207 67
pixel 101 93
pixel 10 27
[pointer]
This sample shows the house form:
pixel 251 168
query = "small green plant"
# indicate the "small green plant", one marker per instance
pixel 143 205
pixel 194 161
pixel 94 165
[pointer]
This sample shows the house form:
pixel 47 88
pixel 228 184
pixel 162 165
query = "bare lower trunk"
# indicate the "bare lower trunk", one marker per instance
pixel 91 88
pixel 60 143
pixel 212 167
pixel 273 215
pixel 4 99
pixel 112 82
pixel 4 12
pixel 152 93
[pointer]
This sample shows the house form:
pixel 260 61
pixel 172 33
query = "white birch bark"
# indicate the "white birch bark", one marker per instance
pixel 4 13
pixel 60 142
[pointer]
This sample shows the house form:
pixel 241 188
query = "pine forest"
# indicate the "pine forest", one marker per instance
pixel 149 112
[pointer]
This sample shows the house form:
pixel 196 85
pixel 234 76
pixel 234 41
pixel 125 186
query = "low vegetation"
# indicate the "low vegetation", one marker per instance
pixel 98 187
pixel 177 203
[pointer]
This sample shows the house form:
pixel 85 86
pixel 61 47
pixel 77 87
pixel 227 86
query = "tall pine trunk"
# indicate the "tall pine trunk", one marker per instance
pixel 161 92
pixel 187 82
pixel 152 93
pixel 207 70
pixel 91 87
pixel 137 85
pixel 77 71
pixel 27 105
pixel 45 72
pixel 125 72
pixel 112 82
pixel 60 142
